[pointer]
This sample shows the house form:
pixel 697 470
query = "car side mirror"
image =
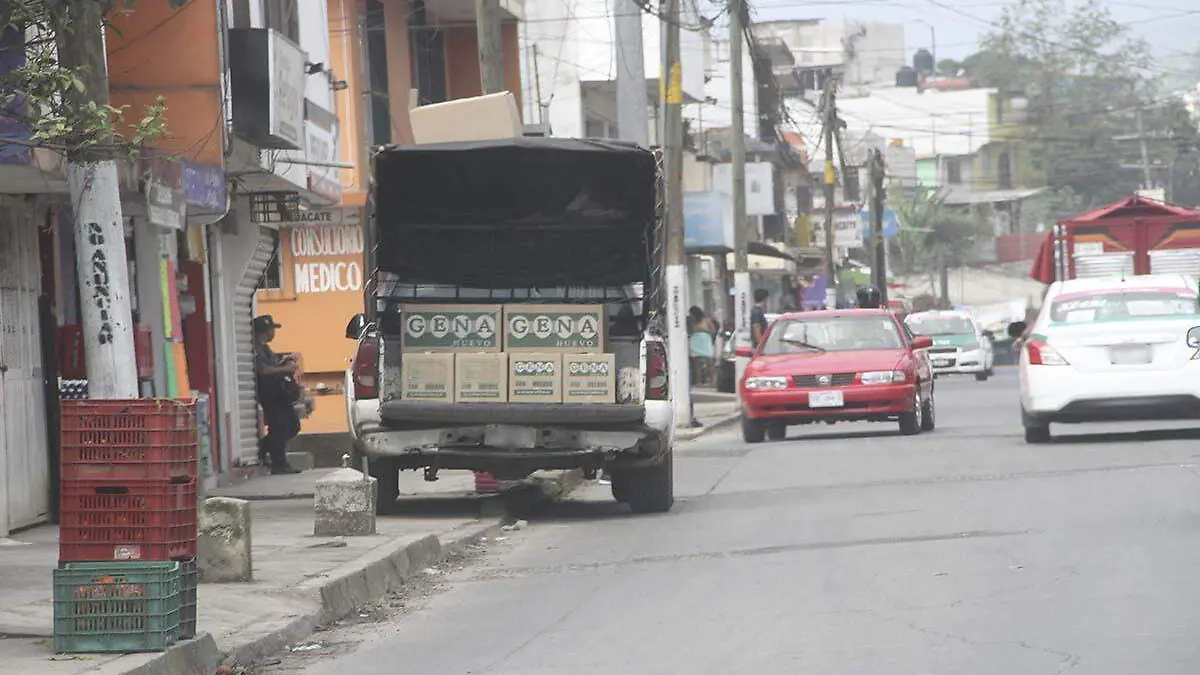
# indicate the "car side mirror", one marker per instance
pixel 745 352
pixel 989 335
pixel 357 325
pixel 922 342
pixel 1016 329
pixel 1193 337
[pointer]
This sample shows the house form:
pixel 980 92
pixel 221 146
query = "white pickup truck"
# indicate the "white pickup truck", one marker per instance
pixel 527 220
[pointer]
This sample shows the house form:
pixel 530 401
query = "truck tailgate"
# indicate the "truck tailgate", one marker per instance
pixel 592 416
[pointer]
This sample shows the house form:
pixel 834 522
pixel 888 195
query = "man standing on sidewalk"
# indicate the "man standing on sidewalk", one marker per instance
pixel 758 317
pixel 277 394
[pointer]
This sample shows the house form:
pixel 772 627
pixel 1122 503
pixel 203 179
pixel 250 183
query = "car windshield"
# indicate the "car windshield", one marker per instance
pixel 832 334
pixel 940 325
pixel 1084 308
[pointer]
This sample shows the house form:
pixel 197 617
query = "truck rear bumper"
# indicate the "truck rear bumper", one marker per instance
pixel 518 450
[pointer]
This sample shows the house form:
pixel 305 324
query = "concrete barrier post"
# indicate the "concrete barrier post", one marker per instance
pixel 344 504
pixel 224 545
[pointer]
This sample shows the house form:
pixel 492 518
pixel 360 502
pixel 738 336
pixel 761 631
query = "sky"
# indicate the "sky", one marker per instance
pixel 1171 26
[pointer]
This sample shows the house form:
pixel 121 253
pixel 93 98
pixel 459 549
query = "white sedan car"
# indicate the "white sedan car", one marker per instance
pixel 1105 350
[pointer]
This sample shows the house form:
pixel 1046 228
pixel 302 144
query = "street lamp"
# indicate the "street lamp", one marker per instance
pixel 932 42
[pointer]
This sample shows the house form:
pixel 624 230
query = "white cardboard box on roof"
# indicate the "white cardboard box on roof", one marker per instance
pixel 482 118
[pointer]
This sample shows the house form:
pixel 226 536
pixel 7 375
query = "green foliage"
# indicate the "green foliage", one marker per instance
pixel 1084 76
pixel 931 229
pixel 50 97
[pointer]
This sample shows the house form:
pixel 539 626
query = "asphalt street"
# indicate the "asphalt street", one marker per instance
pixel 845 550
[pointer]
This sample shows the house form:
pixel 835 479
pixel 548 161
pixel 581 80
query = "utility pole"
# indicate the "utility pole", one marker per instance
pixel 829 105
pixel 491 55
pixel 741 264
pixel 633 122
pixel 1147 181
pixel 676 273
pixel 878 197
pixel 99 224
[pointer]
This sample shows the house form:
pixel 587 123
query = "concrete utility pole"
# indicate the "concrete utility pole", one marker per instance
pixel 829 110
pixel 878 198
pixel 737 144
pixel 99 226
pixel 676 272
pixel 1147 179
pixel 491 54
pixel 633 120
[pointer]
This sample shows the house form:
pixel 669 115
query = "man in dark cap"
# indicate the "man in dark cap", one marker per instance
pixel 276 390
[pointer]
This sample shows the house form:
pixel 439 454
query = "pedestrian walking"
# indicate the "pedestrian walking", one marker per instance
pixel 758 317
pixel 700 345
pixel 278 393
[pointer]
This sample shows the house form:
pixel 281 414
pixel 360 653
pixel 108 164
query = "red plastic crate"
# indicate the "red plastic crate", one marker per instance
pixel 129 440
pixel 100 520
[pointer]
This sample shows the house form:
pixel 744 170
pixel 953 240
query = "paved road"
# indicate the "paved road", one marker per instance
pixel 845 550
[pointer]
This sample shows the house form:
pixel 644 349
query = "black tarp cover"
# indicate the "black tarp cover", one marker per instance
pixel 517 213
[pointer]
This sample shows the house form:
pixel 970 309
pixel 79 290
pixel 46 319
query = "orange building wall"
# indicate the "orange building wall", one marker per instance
pixel 399 52
pixel 155 50
pixel 462 61
pixel 345 58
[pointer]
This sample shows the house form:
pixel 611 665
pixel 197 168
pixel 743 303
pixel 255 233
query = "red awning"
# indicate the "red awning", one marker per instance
pixel 1043 263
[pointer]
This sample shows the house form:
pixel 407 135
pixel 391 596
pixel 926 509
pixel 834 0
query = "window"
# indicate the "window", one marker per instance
pixel 832 334
pixel 953 171
pixel 1078 308
pixel 1004 171
pixel 942 325
pixel 284 17
pixel 241 13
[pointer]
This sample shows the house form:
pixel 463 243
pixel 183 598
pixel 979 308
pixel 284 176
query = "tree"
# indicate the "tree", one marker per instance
pixel 49 98
pixel 1085 76
pixel 935 236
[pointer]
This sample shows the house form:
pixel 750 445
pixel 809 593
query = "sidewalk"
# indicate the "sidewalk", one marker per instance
pixel 300 580
pixel 713 409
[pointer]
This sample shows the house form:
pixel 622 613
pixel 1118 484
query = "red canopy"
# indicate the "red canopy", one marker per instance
pixel 1125 211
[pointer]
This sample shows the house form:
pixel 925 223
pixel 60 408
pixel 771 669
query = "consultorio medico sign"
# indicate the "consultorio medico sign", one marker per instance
pixel 327 258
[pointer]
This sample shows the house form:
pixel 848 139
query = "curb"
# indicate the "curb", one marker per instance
pixel 716 425
pixel 343 590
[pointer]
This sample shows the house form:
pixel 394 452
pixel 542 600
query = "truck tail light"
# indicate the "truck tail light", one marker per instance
pixel 657 377
pixel 366 369
pixel 1042 354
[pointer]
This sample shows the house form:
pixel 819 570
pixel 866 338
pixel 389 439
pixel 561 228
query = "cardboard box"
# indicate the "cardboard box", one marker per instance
pixel 481 378
pixel 427 377
pixel 555 328
pixel 589 378
pixel 451 328
pixel 534 378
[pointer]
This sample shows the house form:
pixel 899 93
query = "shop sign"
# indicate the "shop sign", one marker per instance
pixel 204 186
pixel 330 217
pixel 321 146
pixel 286 99
pixel 847 230
pixel 327 259
pixel 166 202
pixel 707 220
pixel 760 186
pixel 12 125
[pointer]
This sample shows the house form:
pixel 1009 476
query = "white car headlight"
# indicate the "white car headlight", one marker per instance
pixel 883 376
pixel 766 383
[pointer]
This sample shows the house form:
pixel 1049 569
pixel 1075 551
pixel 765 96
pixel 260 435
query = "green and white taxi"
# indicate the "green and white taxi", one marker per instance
pixel 960 347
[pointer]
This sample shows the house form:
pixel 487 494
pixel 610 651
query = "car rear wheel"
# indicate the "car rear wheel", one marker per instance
pixel 753 431
pixel 912 422
pixel 1037 434
pixel 929 413
pixel 777 432
pixel 649 489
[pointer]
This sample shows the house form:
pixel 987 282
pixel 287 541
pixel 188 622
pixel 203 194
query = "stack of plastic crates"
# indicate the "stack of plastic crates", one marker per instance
pixel 127 571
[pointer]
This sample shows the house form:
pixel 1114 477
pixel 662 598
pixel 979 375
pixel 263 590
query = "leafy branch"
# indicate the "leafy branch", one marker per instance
pixel 51 99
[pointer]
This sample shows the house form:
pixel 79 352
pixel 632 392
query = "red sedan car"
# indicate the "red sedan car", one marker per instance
pixel 837 366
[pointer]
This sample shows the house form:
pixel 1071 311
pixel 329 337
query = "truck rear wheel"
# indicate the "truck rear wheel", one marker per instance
pixel 648 489
pixel 385 470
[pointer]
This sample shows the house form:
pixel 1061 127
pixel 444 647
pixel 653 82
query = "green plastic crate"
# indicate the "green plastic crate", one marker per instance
pixel 190 576
pixel 116 606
